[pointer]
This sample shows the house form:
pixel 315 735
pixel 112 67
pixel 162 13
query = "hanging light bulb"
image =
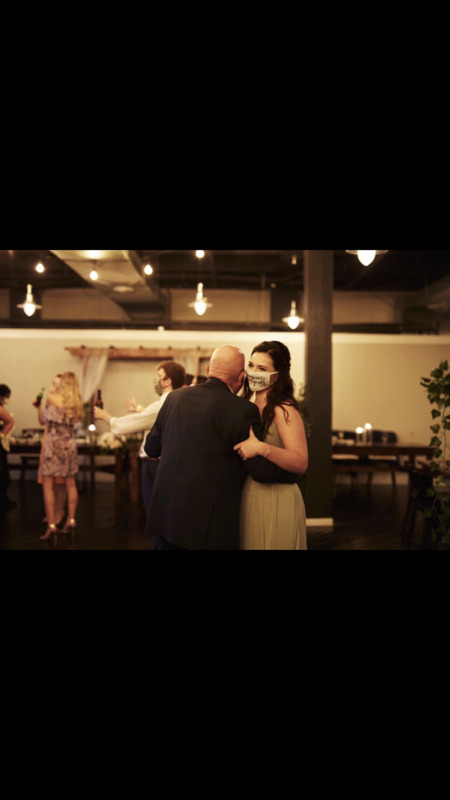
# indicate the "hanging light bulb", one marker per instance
pixel 200 253
pixel 148 269
pixel 29 306
pixel 366 257
pixel 40 267
pixel 200 304
pixel 293 320
pixel 94 275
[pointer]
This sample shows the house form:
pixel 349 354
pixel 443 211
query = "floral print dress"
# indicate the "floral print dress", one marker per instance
pixel 59 456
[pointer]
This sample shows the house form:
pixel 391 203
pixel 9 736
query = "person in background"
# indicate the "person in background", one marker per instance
pixel 170 376
pixel 198 379
pixel 198 485
pixel 6 426
pixel 59 459
pixel 188 379
pixel 59 483
pixel 273 516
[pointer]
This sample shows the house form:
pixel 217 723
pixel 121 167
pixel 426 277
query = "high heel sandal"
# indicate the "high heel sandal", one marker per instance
pixel 69 526
pixel 51 529
pixel 57 521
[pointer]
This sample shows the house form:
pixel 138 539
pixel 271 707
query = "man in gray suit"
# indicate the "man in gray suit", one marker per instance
pixel 198 485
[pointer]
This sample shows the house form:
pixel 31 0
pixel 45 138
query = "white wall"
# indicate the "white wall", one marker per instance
pixel 376 379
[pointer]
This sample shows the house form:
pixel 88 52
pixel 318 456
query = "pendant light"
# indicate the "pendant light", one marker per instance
pixel 293 320
pixel 29 306
pixel 366 257
pixel 200 304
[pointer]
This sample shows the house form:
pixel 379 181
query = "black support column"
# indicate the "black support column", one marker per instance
pixel 318 309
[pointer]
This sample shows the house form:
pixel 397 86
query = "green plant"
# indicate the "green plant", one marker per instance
pixel 438 390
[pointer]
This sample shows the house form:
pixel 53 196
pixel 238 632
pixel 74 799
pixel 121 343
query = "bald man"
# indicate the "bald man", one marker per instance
pixel 198 485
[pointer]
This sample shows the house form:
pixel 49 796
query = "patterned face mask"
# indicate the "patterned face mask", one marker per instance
pixel 157 386
pixel 259 381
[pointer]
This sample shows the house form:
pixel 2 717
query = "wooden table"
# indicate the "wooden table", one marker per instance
pixel 125 467
pixel 378 449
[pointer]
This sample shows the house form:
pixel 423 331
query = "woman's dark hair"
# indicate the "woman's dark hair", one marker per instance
pixel 5 391
pixel 282 391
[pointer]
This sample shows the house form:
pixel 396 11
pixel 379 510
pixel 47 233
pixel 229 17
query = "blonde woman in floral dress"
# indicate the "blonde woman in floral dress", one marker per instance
pixel 59 485
pixel 59 458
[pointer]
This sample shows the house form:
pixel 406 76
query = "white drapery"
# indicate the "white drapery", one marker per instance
pixel 93 371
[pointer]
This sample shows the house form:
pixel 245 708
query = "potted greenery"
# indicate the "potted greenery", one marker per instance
pixel 438 390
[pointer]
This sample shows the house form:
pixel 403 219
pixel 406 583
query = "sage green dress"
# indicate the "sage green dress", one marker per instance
pixel 272 515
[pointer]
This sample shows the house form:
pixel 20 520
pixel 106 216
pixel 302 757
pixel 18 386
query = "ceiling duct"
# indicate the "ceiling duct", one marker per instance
pixel 121 278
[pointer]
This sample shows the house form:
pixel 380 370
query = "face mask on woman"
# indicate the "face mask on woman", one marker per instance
pixel 259 381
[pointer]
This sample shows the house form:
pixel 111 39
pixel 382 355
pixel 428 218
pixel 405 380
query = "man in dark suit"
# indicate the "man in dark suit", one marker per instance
pixel 198 485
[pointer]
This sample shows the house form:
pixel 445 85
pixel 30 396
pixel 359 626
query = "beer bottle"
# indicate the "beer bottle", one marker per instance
pixel 99 401
pixel 39 397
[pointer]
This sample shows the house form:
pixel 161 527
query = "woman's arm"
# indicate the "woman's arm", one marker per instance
pixel 55 400
pixel 40 415
pixel 8 421
pixel 294 456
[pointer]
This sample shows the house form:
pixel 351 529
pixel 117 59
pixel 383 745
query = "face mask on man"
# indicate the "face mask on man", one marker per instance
pixel 259 381
pixel 157 386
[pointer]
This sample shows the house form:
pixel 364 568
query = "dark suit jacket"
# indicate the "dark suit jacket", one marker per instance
pixel 197 491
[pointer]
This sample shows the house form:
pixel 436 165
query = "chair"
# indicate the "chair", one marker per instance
pixel 420 481
pixel 27 462
pixel 31 461
pixel 391 462
pixel 342 461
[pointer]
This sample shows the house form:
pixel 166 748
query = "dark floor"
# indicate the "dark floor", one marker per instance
pixel 364 520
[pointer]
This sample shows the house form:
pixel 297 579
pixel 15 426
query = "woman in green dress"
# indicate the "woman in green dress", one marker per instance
pixel 273 515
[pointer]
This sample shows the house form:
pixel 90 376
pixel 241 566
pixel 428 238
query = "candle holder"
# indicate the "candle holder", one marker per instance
pixel 92 435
